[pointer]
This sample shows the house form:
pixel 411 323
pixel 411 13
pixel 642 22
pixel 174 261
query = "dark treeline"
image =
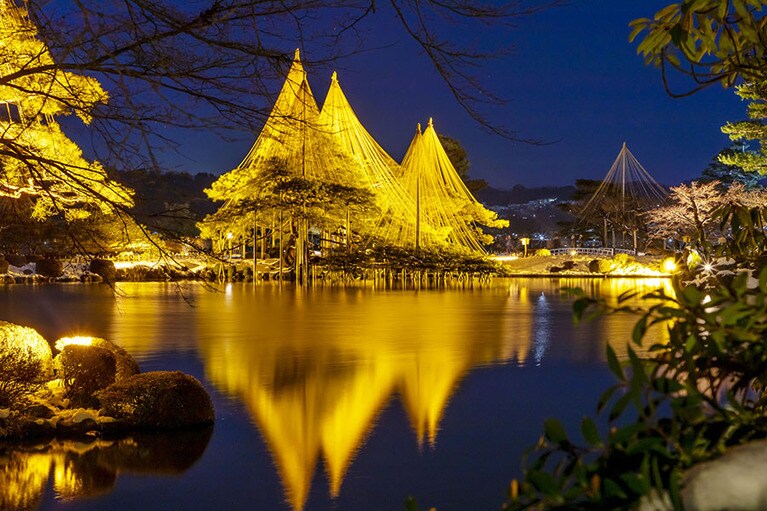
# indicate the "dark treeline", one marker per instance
pixel 170 201
pixel 520 194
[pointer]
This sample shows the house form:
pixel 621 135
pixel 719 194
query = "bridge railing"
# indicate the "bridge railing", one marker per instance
pixel 595 251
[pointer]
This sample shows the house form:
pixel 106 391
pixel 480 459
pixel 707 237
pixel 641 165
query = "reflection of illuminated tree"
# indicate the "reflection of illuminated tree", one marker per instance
pixel 316 393
pixel 22 479
pixel 83 469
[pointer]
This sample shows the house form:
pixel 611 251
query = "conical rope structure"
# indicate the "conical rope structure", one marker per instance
pixel 292 135
pixel 442 199
pixel 428 207
pixel 624 195
pixel 627 186
pixel 294 167
pixel 628 181
pixel 398 209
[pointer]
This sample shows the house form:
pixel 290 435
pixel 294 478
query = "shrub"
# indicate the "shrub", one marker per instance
pixel 603 266
pixel 49 268
pixel 4 266
pixel 545 252
pixel 623 259
pixel 158 400
pixel 126 365
pixel 16 260
pixel 25 363
pixel 104 268
pixel 85 370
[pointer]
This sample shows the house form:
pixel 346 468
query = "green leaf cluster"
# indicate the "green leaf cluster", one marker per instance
pixel 710 40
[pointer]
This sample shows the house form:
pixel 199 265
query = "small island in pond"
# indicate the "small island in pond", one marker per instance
pixel 90 387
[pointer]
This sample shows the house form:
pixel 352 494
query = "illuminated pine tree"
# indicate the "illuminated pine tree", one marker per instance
pixel 36 158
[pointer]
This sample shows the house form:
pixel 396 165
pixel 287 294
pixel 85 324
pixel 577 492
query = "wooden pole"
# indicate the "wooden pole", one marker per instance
pixel 255 244
pixel 282 254
pixel 418 212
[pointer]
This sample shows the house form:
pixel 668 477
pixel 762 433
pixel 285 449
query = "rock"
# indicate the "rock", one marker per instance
pixel 81 415
pixel 158 400
pixel 736 481
pixel 85 370
pixel 40 411
pixel 69 428
pixel 38 429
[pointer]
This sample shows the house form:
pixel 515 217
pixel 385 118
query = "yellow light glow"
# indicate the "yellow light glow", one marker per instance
pixel 78 340
pixel 708 267
pixel 504 257
pixel 668 265
pixel 573 252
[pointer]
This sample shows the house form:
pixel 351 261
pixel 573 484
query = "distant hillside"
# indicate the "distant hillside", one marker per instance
pixel 170 201
pixel 521 194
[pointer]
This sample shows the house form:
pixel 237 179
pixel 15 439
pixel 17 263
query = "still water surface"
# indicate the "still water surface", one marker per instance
pixel 326 398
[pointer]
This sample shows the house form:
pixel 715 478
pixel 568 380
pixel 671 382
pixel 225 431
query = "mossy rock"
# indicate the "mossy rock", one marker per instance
pixel 105 269
pixel 158 400
pixel 49 268
pixel 86 370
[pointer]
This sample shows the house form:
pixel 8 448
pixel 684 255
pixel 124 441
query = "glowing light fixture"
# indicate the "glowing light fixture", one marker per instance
pixel 525 242
pixel 78 340
pixel 668 265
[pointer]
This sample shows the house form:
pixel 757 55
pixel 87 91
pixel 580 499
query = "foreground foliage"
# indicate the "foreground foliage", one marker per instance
pixel 710 41
pixel 683 403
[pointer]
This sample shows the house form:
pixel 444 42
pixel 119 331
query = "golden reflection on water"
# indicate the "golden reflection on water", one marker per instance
pixel 315 367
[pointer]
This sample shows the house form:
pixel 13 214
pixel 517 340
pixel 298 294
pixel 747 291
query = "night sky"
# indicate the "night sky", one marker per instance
pixel 573 79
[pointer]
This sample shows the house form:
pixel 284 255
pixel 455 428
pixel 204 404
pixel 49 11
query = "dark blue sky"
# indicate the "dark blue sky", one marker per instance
pixel 572 78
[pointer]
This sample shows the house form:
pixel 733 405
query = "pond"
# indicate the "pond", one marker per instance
pixel 326 398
